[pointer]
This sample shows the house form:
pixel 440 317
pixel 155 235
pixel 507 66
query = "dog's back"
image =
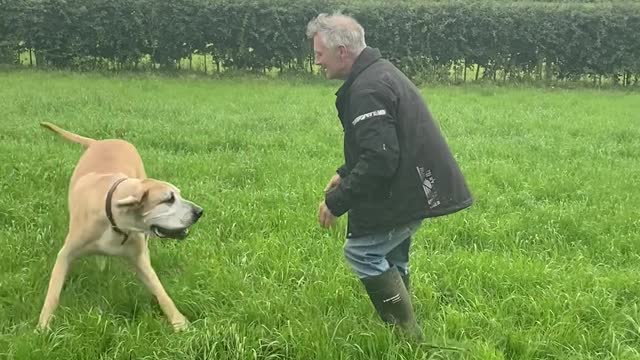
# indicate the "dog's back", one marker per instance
pixel 110 156
pixel 103 156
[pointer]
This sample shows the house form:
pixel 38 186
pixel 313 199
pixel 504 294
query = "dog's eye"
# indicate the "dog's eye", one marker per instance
pixel 171 199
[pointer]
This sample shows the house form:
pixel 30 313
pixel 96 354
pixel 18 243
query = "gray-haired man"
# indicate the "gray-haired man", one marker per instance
pixel 398 169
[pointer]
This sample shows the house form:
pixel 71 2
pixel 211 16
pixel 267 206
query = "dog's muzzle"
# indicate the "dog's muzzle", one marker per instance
pixel 176 233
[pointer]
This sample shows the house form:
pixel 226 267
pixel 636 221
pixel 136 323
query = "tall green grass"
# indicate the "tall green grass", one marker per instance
pixel 544 265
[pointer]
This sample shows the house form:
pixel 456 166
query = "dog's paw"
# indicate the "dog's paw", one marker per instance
pixel 42 328
pixel 181 324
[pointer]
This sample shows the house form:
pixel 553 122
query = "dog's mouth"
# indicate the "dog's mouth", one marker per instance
pixel 177 234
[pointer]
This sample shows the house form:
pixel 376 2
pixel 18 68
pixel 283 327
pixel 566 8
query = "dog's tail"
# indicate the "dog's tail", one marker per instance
pixel 84 141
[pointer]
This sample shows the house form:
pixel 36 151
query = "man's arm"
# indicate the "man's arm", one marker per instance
pixel 376 137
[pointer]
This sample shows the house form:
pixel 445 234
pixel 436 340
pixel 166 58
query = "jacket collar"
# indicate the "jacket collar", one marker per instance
pixel 367 57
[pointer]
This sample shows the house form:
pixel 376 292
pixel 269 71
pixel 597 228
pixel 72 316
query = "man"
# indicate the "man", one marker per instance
pixel 398 169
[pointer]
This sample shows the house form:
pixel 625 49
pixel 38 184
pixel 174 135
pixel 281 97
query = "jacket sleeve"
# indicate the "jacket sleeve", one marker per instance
pixel 342 171
pixel 371 117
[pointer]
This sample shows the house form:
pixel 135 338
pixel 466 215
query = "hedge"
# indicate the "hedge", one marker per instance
pixel 508 40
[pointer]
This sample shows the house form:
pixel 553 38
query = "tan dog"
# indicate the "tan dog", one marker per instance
pixel 113 208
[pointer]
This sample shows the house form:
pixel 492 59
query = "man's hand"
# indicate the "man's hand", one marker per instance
pixel 325 217
pixel 335 181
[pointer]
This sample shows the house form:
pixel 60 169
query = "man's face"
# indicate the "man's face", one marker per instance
pixel 333 61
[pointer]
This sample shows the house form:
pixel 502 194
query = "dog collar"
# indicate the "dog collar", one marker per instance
pixel 110 213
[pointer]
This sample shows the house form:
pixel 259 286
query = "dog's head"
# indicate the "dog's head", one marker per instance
pixel 156 208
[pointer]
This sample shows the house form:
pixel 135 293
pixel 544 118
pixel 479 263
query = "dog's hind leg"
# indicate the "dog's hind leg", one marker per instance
pixel 58 275
pixel 147 275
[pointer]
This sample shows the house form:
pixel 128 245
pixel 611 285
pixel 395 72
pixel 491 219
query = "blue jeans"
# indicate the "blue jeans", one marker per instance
pixel 372 255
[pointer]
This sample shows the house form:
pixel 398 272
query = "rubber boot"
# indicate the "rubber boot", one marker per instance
pixel 392 302
pixel 407 282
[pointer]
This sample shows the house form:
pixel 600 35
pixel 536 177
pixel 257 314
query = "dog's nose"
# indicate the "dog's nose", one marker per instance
pixel 197 212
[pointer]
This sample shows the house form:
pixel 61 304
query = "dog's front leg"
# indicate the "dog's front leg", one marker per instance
pixel 58 275
pixel 145 272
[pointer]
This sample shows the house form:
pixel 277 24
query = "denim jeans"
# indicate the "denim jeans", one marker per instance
pixel 373 254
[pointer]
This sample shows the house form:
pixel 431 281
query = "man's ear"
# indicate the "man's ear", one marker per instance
pixel 133 200
pixel 342 52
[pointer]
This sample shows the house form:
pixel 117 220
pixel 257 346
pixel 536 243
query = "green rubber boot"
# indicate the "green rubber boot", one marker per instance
pixel 389 296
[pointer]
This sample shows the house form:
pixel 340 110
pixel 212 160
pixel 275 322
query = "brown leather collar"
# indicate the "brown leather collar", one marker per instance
pixel 110 213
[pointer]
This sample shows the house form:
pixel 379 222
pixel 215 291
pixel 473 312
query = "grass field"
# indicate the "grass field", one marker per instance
pixel 545 265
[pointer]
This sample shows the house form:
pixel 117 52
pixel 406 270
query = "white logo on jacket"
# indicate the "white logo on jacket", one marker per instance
pixel 428 185
pixel 369 115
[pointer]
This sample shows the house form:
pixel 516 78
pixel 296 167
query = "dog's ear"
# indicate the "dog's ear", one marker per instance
pixel 133 200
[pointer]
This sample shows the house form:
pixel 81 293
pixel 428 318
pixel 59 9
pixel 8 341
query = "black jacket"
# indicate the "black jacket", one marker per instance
pixel 398 166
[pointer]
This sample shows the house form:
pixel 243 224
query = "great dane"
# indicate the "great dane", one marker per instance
pixel 113 210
